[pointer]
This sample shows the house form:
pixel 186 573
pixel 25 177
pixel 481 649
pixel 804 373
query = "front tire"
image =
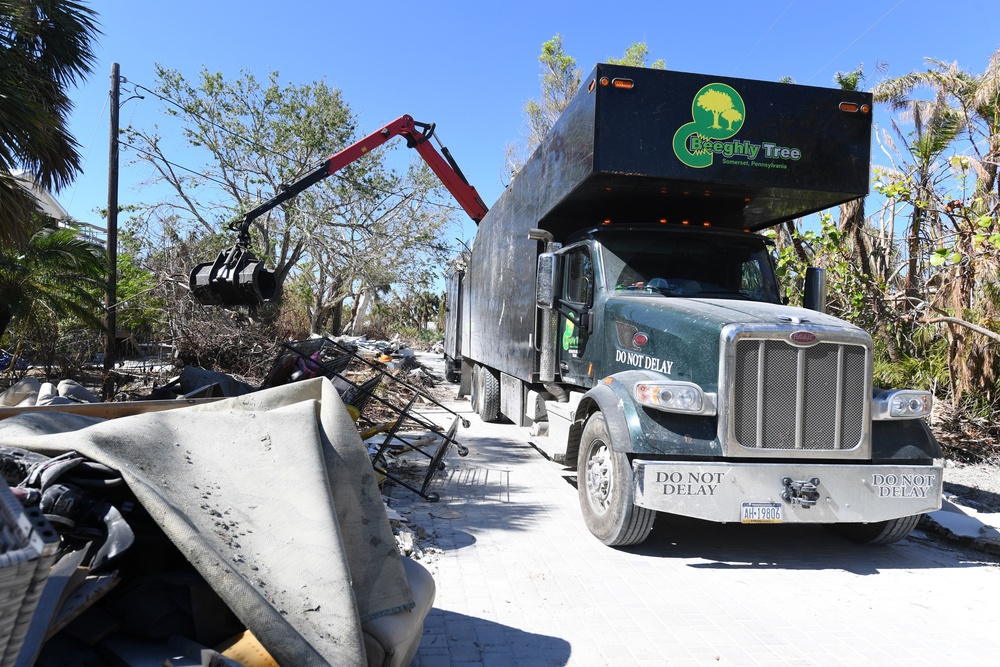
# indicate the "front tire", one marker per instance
pixel 604 483
pixel 880 532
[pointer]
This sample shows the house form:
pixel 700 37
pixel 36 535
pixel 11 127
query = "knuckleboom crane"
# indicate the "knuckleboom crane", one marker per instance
pixel 237 277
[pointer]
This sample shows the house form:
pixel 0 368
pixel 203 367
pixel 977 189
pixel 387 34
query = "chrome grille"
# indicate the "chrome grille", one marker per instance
pixel 799 398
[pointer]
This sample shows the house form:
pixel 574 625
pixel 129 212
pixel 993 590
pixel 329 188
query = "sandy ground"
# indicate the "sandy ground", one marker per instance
pixel 974 485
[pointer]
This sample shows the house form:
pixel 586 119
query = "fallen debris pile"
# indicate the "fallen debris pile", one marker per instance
pixel 176 530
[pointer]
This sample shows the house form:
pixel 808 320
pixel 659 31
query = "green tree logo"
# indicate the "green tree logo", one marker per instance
pixel 717 113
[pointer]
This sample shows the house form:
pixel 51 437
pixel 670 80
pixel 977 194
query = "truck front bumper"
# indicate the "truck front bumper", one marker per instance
pixel 786 492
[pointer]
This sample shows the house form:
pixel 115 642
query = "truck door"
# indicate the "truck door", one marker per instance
pixel 576 323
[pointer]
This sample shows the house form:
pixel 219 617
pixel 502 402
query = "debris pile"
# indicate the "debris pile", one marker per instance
pixel 28 392
pixel 173 532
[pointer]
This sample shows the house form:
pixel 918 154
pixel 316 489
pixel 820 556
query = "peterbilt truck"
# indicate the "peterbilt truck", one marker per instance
pixel 621 302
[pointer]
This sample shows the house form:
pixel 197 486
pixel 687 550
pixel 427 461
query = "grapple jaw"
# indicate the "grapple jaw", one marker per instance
pixel 235 278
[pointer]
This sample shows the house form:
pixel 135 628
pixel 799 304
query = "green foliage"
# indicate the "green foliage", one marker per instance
pixel 139 309
pixel 560 81
pixel 929 371
pixel 367 226
pixel 850 80
pixel 636 55
pixel 46 48
pixel 57 275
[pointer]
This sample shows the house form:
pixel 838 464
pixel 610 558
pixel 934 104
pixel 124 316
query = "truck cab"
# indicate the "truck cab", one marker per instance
pixel 653 288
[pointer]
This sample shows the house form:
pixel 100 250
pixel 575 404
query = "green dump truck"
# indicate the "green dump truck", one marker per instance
pixel 620 302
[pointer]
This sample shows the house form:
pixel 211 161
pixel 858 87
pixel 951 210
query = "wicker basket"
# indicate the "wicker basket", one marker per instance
pixel 28 546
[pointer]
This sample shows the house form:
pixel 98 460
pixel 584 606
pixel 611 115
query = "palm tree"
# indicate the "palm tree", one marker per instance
pixel 45 46
pixel 936 125
pixel 852 223
pixel 57 274
pixel 970 104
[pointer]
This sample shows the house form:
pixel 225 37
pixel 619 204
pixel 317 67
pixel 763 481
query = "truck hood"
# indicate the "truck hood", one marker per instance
pixel 683 335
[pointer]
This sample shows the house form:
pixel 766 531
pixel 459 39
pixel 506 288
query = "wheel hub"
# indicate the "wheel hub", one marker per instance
pixel 598 478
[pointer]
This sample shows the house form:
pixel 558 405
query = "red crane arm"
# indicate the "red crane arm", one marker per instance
pixel 417 135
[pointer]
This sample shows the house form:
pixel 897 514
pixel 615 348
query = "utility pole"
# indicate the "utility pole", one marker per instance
pixel 110 296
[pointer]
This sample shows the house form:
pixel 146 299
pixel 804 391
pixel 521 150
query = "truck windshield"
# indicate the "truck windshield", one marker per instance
pixel 682 265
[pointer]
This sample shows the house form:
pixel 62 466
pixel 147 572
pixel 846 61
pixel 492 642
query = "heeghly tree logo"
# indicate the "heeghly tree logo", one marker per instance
pixel 717 114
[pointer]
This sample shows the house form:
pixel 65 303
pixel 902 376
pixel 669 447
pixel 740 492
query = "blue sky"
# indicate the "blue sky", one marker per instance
pixel 470 66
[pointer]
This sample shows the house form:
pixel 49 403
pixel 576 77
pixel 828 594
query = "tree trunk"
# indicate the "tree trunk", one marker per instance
pixel 852 222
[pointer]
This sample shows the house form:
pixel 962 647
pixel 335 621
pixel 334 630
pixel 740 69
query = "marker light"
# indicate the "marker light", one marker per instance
pixel 850 107
pixel 684 397
pixel 622 83
pixel 902 404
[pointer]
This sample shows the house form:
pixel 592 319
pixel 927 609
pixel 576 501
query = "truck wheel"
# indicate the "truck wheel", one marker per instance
pixel 452 372
pixel 880 532
pixel 604 482
pixel 486 394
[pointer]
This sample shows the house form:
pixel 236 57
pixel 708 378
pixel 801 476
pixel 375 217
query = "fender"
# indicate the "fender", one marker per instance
pixel 635 429
pixel 904 440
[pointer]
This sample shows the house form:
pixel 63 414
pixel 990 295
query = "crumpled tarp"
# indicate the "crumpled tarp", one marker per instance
pixel 271 496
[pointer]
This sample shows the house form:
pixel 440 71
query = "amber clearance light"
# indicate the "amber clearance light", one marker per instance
pixel 622 83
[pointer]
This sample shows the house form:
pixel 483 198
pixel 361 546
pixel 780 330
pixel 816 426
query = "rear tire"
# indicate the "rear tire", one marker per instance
pixel 486 394
pixel 880 532
pixel 604 484
pixel 452 371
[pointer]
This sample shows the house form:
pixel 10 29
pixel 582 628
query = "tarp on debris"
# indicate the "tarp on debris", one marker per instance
pixel 272 498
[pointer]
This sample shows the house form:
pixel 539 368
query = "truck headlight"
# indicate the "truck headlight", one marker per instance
pixel 684 397
pixel 902 404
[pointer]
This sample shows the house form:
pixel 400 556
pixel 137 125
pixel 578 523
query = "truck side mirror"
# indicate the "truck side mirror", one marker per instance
pixel 546 280
pixel 815 290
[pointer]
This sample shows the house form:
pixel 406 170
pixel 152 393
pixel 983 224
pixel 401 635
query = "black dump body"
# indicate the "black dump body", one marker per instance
pixel 668 147
pixel 615 153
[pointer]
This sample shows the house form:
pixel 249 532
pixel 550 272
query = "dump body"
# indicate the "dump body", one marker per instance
pixel 620 302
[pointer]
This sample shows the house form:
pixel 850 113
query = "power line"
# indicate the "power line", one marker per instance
pixel 759 40
pixel 855 41
pixel 90 147
pixel 251 142
pixel 224 184
pixel 244 139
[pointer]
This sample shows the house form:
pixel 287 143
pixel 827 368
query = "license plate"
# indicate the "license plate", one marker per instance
pixel 761 513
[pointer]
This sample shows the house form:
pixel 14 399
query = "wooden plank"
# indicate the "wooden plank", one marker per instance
pixel 108 410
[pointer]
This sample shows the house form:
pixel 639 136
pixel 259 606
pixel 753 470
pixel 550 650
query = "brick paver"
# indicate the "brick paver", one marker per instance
pixel 520 582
